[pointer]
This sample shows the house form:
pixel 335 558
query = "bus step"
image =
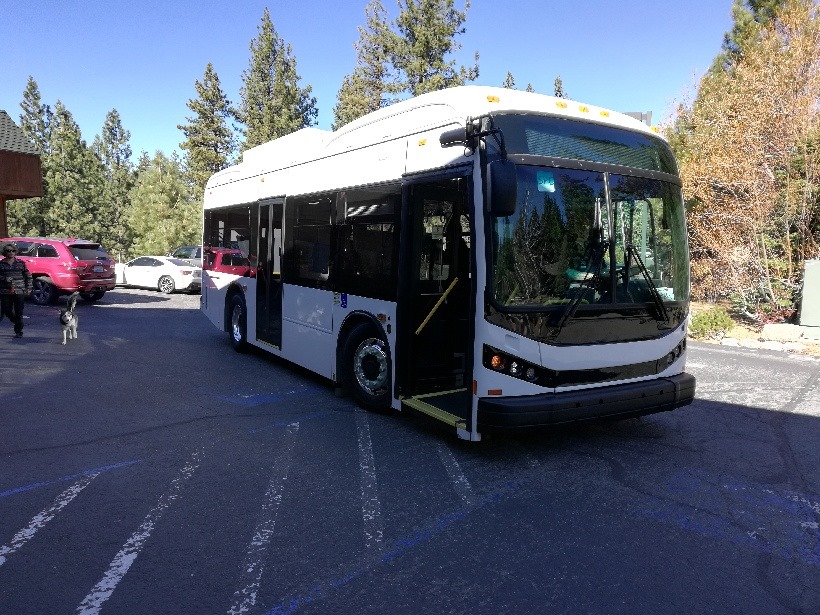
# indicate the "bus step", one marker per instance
pixel 433 404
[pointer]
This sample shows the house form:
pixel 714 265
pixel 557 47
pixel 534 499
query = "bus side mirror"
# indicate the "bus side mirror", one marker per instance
pixel 502 188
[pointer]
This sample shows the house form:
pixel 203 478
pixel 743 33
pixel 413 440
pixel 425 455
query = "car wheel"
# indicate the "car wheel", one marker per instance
pixel 91 297
pixel 367 367
pixel 239 328
pixel 43 292
pixel 166 284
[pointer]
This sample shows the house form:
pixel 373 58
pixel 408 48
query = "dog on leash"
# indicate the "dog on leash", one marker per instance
pixel 69 319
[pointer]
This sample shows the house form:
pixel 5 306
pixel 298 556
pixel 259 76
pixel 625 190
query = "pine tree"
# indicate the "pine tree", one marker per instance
pixel 509 81
pixel 273 104
pixel 114 151
pixel 365 89
pixel 209 142
pixel 559 88
pixel 425 36
pixel 163 213
pixel 75 179
pixel 750 17
pixel 28 216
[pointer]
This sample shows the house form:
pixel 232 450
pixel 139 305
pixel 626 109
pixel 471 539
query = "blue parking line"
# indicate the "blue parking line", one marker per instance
pixel 400 547
pixel 32 486
pixel 782 523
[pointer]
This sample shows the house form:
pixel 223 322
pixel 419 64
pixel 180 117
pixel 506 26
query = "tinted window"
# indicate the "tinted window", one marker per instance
pixel 47 251
pixel 88 252
pixel 563 138
pixel 307 256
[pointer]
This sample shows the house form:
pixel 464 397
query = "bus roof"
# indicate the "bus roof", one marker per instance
pixel 445 108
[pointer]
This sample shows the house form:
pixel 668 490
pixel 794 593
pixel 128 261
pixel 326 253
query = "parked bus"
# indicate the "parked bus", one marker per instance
pixel 495 259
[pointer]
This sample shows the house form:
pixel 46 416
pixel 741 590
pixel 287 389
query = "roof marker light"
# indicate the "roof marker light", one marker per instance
pixel 560 104
pixel 605 113
pixel 494 99
pixel 583 109
pixel 422 142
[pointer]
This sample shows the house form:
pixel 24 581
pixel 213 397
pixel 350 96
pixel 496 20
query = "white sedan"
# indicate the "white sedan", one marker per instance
pixel 160 272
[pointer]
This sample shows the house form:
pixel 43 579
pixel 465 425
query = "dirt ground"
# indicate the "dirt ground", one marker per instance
pixel 753 337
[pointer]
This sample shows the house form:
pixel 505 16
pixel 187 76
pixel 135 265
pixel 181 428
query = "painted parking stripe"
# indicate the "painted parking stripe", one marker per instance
pixel 43 517
pixel 460 482
pixel 254 563
pixel 371 507
pixel 131 549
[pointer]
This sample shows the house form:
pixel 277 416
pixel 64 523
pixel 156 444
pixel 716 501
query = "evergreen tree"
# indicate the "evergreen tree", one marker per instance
pixel 273 104
pixel 28 216
pixel 114 151
pixel 209 141
pixel 559 88
pixel 365 89
pixel 509 81
pixel 749 17
pixel 163 213
pixel 426 35
pixel 529 88
pixel 75 179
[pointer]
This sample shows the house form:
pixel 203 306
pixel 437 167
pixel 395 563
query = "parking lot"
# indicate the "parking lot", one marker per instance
pixel 147 468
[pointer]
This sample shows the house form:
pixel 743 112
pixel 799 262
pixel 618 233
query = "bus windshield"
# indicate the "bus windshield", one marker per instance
pixel 589 237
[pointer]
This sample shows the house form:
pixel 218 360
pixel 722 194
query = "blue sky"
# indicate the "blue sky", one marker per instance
pixel 142 58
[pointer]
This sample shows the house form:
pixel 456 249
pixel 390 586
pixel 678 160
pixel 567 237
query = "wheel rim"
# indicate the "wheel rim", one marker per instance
pixel 40 292
pixel 236 323
pixel 370 366
pixel 166 284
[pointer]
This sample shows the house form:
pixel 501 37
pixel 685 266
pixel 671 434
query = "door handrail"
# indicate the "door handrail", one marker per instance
pixel 436 306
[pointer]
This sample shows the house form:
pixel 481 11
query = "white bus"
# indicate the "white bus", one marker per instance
pixel 495 259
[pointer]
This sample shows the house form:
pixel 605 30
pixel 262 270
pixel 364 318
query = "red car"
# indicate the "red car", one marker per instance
pixel 226 260
pixel 62 266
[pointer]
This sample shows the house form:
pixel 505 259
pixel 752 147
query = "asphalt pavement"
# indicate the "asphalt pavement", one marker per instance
pixel 148 468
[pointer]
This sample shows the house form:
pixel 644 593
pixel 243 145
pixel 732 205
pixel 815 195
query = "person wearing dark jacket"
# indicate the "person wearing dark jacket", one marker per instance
pixel 15 286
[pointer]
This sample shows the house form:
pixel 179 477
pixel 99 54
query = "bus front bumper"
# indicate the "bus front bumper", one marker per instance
pixel 617 401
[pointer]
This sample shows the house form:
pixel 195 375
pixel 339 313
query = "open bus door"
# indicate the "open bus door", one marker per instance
pixel 435 307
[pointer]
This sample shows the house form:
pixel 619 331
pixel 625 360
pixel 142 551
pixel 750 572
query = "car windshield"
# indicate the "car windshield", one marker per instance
pixel 591 237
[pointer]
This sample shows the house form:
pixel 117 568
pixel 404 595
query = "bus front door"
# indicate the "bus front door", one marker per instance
pixel 433 365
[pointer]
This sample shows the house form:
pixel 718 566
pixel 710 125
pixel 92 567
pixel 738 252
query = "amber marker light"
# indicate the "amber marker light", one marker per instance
pixel 497 362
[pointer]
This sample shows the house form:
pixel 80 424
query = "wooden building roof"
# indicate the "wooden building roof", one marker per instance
pixel 12 138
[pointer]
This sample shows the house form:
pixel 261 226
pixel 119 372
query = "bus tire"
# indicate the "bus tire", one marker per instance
pixel 239 324
pixel 367 367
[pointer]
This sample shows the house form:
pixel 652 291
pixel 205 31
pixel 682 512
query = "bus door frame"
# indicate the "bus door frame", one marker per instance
pixel 408 322
pixel 270 220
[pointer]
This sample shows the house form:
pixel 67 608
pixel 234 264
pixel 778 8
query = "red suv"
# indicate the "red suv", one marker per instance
pixel 226 260
pixel 62 266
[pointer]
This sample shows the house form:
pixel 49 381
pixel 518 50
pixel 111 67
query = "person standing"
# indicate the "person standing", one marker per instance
pixel 15 286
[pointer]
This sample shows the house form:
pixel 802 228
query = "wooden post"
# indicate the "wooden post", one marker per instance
pixel 4 227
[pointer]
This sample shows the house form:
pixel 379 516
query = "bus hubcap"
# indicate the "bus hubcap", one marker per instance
pixel 370 366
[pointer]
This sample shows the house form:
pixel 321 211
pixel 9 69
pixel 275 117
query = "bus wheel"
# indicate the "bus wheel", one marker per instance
pixel 367 368
pixel 239 328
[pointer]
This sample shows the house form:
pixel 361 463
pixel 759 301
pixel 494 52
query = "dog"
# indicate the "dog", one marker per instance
pixel 69 319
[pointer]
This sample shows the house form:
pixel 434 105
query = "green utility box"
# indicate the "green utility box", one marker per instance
pixel 810 302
